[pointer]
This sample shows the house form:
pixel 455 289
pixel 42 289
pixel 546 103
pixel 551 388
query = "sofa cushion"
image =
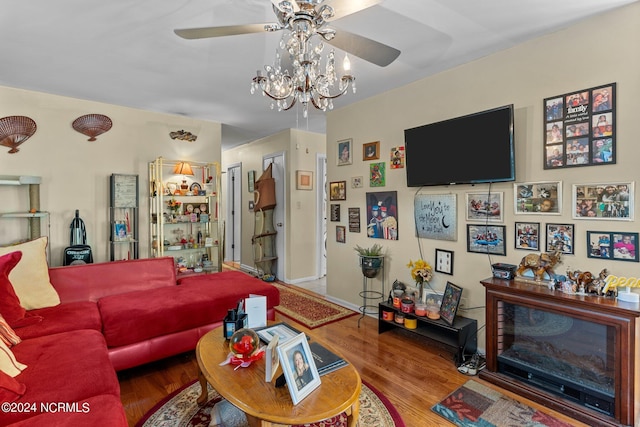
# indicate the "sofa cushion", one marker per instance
pixel 10 388
pixel 9 303
pixel 7 334
pixel 137 316
pixel 8 362
pixel 63 318
pixel 66 367
pixel 238 281
pixel 30 278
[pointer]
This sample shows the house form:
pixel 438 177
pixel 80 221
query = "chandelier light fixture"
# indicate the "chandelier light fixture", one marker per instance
pixel 308 81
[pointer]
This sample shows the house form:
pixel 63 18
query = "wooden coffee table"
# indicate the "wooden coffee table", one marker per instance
pixel 263 403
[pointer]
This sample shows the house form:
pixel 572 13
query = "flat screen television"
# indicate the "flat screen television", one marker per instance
pixel 477 148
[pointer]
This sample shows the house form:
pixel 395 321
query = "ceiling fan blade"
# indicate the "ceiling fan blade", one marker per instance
pixel 365 48
pixel 343 8
pixel 231 30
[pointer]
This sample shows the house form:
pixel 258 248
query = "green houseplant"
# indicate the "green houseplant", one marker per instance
pixel 370 259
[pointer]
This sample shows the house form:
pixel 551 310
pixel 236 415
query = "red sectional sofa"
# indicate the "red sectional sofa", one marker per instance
pixel 115 316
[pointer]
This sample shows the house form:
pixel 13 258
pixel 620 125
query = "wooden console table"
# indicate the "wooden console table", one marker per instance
pixel 618 323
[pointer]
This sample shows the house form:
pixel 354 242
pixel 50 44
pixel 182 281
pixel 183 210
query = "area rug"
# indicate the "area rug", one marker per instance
pixel 474 404
pixel 180 409
pixel 307 309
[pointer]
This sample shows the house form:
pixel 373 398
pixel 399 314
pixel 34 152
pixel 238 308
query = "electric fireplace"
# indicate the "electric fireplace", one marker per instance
pixel 575 354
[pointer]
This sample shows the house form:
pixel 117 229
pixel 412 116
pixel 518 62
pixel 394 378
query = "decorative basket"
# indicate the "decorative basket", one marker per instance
pixel 14 130
pixel 92 125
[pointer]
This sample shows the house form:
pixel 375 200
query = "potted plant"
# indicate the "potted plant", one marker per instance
pixel 370 259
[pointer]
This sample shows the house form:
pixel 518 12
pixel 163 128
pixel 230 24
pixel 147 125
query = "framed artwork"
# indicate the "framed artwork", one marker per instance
pixel 338 190
pixel 613 246
pixel 486 239
pixel 119 231
pixel 435 216
pixel 538 198
pixel 298 367
pixel 527 236
pixel 354 220
pixel 345 152
pixel 580 128
pixel 610 201
pixel 371 151
pixel 341 234
pixel 377 175
pixel 335 212
pixel 304 180
pixel 356 182
pixel 450 302
pixel 382 215
pixel 560 236
pixel 251 181
pixel 484 206
pixel 397 157
pixel 171 188
pixel 444 261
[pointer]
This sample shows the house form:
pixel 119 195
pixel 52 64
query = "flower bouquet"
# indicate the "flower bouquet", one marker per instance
pixel 421 272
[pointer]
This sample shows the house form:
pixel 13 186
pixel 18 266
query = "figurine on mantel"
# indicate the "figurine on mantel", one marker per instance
pixel 540 266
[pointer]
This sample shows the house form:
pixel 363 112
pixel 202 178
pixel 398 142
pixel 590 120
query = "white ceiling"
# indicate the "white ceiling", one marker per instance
pixel 125 52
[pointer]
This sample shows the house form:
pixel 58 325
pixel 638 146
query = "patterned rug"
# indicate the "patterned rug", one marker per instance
pixel 474 404
pixel 307 309
pixel 180 409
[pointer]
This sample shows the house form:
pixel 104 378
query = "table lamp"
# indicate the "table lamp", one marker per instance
pixel 183 168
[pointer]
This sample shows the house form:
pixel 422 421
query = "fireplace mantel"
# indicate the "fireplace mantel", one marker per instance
pixel 620 320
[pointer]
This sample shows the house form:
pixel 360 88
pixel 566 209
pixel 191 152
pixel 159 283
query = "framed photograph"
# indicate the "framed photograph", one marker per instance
pixel 356 182
pixel 486 239
pixel 432 297
pixel 172 187
pixel 444 261
pixel 338 190
pixel 560 235
pixel 298 367
pixel 354 220
pixel 335 212
pixel 377 175
pixel 538 198
pixel 272 360
pixel 345 152
pixel 341 234
pixel 304 180
pixel 612 246
pixel 484 206
pixel 251 181
pixel 371 151
pixel 527 236
pixel 382 215
pixel 450 302
pixel 282 330
pixel 609 201
pixel 580 128
pixel 119 231
pixel 397 157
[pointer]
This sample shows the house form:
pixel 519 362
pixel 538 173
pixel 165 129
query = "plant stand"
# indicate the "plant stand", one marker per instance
pixel 368 294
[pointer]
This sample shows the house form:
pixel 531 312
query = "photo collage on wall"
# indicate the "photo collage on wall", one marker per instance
pixel 580 128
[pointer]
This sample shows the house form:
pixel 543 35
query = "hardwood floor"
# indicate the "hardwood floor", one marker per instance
pixel 412 374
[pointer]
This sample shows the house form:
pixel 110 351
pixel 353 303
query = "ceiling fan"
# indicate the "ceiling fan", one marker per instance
pixel 312 17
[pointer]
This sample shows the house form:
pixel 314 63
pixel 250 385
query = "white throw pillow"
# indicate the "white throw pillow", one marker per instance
pixel 30 278
pixel 8 363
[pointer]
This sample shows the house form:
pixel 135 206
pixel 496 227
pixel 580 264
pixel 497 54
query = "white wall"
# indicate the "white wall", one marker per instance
pixel 76 172
pixel 592 53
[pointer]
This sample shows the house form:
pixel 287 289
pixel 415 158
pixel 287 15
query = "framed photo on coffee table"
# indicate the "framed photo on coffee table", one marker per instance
pixel 298 367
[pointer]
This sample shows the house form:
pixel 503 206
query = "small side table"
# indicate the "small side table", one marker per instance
pixel 371 297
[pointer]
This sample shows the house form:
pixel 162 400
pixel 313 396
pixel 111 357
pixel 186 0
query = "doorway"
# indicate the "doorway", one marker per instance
pixel 233 239
pixel 278 173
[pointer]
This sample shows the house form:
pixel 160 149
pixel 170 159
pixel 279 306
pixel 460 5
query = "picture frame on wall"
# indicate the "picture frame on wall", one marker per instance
pixel 444 261
pixel 382 215
pixel 371 151
pixel 604 201
pixel 354 220
pixel 527 236
pixel 356 182
pixel 543 197
pixel 486 239
pixel 338 190
pixel 482 206
pixel 450 302
pixel 612 246
pixel 341 234
pixel 560 236
pixel 304 180
pixel 251 181
pixel 335 212
pixel 345 152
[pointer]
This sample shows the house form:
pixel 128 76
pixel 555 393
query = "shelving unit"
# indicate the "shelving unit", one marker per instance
pixel 123 217
pixel 459 338
pixel 175 232
pixel 264 243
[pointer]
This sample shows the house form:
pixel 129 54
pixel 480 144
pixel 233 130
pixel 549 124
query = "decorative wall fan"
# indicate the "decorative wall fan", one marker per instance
pixel 14 130
pixel 92 125
pixel 312 15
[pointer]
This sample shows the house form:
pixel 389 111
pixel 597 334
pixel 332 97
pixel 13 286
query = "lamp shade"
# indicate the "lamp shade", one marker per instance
pixel 183 168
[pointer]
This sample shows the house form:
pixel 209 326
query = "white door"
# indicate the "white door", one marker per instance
pixel 278 173
pixel 321 229
pixel 233 239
